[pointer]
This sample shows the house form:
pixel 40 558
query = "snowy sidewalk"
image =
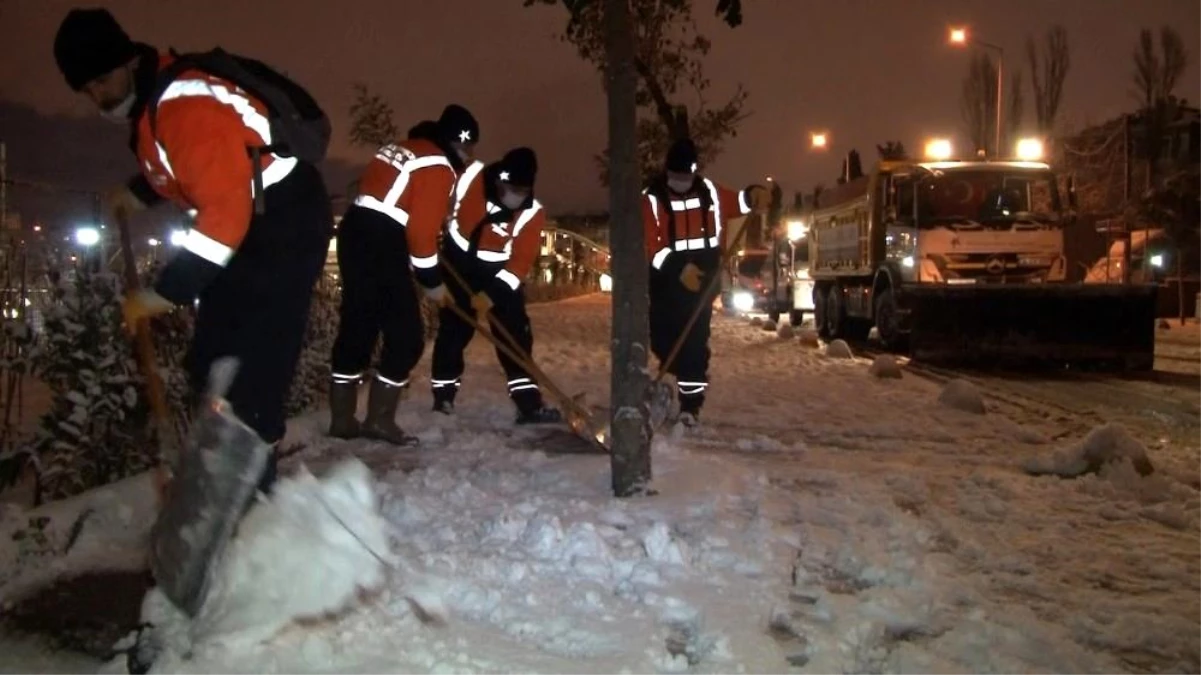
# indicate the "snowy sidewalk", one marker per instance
pixel 820 521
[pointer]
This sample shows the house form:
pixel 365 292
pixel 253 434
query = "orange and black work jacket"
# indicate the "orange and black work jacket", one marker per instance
pixel 199 160
pixel 486 230
pixel 691 222
pixel 411 182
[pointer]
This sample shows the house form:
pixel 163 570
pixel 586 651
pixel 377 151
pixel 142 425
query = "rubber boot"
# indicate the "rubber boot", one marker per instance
pixel 380 424
pixel 444 400
pixel 690 409
pixel 343 400
pixel 531 409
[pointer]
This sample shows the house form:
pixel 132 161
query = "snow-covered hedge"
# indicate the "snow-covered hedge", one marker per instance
pixel 96 430
pixel 98 427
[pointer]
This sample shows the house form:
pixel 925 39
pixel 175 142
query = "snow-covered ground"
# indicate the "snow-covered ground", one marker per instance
pixel 821 520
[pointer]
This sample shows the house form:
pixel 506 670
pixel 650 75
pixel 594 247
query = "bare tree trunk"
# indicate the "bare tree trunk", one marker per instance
pixel 1180 283
pixel 630 416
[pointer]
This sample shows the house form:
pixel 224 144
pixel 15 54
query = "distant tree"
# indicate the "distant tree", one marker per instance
pixel 892 150
pixel 1048 71
pixel 372 122
pixel 978 104
pixel 619 39
pixel 1155 77
pixel 668 51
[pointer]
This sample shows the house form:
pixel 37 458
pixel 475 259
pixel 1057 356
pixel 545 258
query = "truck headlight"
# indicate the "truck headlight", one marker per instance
pixel 743 301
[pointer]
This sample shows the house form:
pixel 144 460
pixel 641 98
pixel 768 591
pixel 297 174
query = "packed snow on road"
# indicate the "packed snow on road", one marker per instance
pixel 826 516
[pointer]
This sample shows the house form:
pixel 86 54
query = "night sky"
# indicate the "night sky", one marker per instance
pixel 866 70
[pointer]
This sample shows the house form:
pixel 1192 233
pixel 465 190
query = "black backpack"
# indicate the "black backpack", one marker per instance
pixel 299 128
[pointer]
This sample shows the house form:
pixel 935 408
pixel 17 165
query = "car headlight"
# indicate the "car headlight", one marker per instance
pixel 743 301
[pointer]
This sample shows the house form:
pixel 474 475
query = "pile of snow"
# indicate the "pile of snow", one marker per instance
pixel 1104 445
pixel 769 325
pixel 963 396
pixel 106 528
pixel 305 553
pixel 839 349
pixel 885 366
pixel 809 338
pixel 786 331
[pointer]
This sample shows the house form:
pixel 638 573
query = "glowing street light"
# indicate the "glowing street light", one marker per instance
pixel 87 236
pixel 818 140
pixel 938 149
pixel 1030 149
pixel 178 237
pixel 796 229
pixel 153 242
pixel 960 38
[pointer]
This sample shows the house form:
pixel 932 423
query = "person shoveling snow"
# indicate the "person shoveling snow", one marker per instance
pixel 310 550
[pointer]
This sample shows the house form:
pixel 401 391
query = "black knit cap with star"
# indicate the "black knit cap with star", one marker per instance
pixel 91 43
pixel 519 166
pixel 458 125
pixel 681 156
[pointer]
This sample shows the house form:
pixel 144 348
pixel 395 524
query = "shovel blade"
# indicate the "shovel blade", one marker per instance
pixel 218 474
pixel 659 398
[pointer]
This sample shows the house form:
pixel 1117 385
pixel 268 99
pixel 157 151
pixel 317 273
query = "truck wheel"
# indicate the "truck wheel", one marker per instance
pixel 838 324
pixel 820 295
pixel 796 317
pixel 888 322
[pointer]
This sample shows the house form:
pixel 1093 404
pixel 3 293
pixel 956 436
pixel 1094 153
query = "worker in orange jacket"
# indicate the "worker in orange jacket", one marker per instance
pixel 492 240
pixel 253 274
pixel 404 198
pixel 683 215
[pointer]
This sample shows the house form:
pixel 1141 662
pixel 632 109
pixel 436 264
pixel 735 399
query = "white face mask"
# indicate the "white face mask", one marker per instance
pixel 120 112
pixel 512 200
pixel 680 186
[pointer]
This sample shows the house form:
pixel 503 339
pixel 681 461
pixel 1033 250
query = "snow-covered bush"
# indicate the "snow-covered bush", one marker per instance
pixel 16 339
pixel 96 429
pixel 311 382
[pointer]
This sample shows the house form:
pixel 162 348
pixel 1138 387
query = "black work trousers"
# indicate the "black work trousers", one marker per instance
pixel 257 309
pixel 378 296
pixel 454 334
pixel 671 306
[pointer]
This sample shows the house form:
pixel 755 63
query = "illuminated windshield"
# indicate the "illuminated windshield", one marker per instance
pixel 988 198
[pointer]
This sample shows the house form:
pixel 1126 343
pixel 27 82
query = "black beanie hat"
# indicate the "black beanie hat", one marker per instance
pixel 89 44
pixel 519 166
pixel 425 129
pixel 681 157
pixel 458 125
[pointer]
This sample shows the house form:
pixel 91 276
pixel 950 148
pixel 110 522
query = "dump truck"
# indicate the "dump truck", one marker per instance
pixel 962 260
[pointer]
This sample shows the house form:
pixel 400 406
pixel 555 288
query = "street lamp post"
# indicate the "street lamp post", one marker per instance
pixel 959 36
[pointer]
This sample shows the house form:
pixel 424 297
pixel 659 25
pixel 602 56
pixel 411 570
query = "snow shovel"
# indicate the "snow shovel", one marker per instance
pixel 168 438
pixel 660 393
pixel 217 476
pixel 578 419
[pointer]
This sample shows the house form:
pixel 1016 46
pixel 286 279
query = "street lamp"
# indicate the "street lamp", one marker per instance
pixel 939 149
pixel 87 236
pixel 818 140
pixel 960 37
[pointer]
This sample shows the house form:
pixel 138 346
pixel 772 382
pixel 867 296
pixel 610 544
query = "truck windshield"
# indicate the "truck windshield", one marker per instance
pixel 751 266
pixel 988 198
